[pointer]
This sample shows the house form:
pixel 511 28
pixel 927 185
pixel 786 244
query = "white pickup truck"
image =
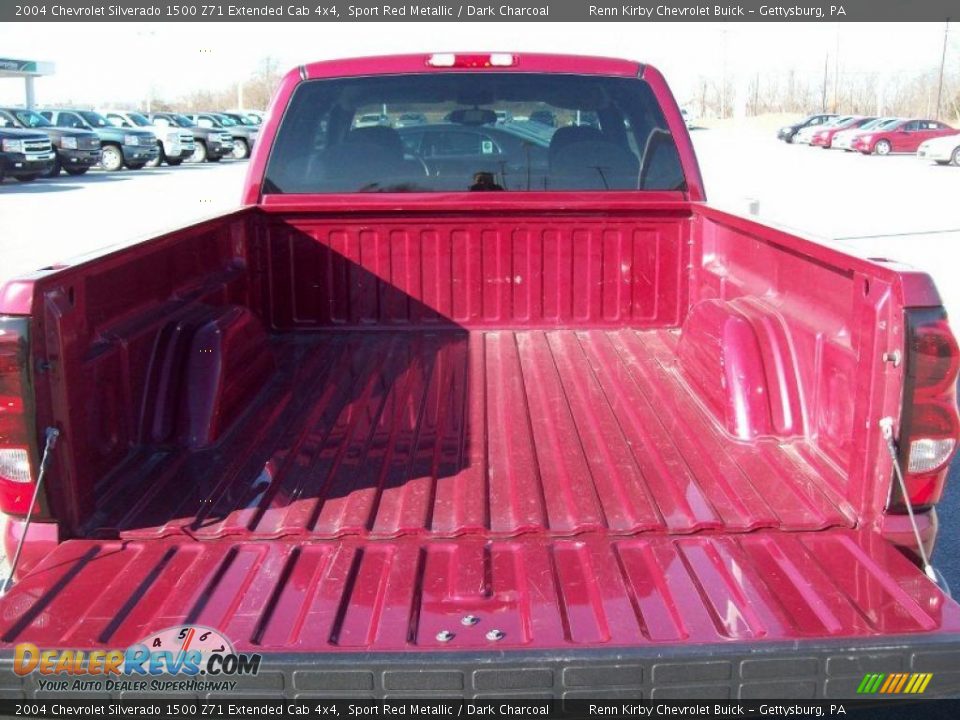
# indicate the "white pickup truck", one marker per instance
pixel 176 144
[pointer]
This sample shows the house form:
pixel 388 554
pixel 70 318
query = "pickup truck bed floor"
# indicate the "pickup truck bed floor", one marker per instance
pixel 592 591
pixel 382 434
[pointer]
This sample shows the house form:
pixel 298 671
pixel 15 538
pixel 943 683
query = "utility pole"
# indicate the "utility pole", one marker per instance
pixel 826 66
pixel 723 75
pixel 943 60
pixel 836 73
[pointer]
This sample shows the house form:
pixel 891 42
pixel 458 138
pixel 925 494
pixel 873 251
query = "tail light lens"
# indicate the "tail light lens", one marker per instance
pixel 929 425
pixel 17 446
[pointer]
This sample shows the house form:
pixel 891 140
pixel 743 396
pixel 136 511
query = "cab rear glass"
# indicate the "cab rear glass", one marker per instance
pixel 448 132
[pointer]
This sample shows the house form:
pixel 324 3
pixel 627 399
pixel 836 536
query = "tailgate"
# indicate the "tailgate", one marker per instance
pixel 766 613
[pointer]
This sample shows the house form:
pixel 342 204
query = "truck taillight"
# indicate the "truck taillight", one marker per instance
pixel 929 425
pixel 17 447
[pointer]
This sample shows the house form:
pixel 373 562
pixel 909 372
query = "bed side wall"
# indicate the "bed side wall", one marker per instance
pixel 807 329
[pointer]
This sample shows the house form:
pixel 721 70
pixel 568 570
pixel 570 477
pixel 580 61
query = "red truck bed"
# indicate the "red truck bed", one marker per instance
pixel 444 433
pixel 565 444
pixel 381 464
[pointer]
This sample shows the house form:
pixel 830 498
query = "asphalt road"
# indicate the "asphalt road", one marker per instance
pixel 894 207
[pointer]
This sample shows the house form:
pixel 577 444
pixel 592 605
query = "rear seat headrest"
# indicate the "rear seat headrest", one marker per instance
pixel 573 134
pixel 384 137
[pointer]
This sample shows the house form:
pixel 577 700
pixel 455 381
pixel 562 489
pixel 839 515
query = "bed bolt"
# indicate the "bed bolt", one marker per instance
pixel 445 636
pixel 495 635
pixel 893 356
pixel 469 620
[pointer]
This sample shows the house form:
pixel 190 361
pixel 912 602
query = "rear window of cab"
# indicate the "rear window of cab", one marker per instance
pixel 470 132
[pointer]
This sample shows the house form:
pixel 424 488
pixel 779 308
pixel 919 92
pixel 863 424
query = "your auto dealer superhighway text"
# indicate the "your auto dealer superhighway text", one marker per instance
pixel 725 11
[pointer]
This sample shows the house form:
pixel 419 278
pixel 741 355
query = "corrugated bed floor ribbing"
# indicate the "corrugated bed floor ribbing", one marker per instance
pixel 440 434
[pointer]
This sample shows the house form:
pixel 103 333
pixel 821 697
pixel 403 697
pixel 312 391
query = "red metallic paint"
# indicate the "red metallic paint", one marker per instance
pixel 900 139
pixel 898 530
pixel 592 590
pixel 445 433
pixel 591 416
pixel 523 63
pixel 42 539
pixel 738 358
pixel 121 305
pixel 522 270
pixel 824 138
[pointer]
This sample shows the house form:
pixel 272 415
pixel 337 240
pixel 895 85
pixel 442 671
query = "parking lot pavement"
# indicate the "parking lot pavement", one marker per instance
pixel 893 207
pixel 47 221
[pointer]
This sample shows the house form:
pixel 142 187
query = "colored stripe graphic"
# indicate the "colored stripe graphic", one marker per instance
pixel 894 683
pixel 903 681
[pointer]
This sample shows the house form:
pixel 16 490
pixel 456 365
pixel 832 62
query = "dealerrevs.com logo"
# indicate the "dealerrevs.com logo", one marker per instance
pixel 187 658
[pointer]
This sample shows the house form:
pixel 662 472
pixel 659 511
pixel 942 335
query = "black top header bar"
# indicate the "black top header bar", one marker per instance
pixel 496 10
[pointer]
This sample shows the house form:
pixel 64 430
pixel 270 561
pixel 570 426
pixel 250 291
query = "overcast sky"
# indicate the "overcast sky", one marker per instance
pixel 97 62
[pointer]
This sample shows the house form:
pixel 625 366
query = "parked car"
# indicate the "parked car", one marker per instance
pixel 254 116
pixel 241 118
pixel 805 135
pixel 687 118
pixel 251 126
pixel 544 117
pixel 788 132
pixel 244 136
pixel 174 144
pixel 119 147
pixel 76 150
pixel 372 120
pixel 844 139
pixel 823 137
pixel 24 155
pixel 904 136
pixel 410 120
pixel 424 439
pixel 210 144
pixel 942 150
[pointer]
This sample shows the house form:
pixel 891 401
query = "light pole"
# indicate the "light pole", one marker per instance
pixel 836 72
pixel 943 60
pixel 723 73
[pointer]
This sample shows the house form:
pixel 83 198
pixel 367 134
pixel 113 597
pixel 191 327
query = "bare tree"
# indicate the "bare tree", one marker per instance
pixel 258 89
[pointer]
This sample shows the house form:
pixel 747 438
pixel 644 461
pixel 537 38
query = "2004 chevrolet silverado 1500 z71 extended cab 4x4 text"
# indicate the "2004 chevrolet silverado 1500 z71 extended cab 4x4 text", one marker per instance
pixel 471 408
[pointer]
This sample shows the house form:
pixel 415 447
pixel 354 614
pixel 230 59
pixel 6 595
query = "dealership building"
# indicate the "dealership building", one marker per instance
pixel 28 70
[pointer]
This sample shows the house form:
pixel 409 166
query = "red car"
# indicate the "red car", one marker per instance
pixel 824 138
pixel 904 137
